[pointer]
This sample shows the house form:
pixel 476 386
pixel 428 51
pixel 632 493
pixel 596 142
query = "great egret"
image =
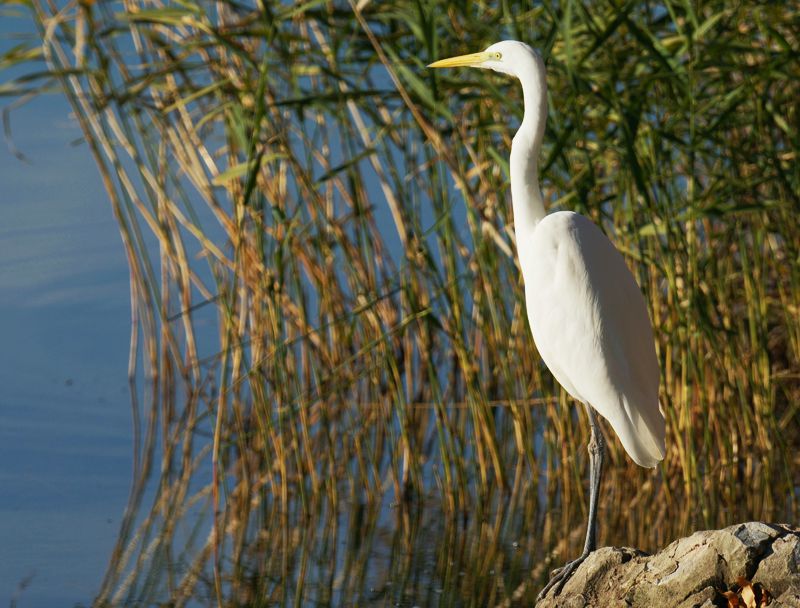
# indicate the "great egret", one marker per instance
pixel 587 315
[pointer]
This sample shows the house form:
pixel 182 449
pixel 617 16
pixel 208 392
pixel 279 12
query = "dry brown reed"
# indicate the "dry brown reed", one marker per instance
pixel 342 214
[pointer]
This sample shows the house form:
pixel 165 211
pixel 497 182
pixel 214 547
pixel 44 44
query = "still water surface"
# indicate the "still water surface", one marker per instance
pixel 65 444
pixel 66 447
pixel 65 425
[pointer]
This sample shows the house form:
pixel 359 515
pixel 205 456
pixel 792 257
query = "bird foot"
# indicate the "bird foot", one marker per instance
pixel 560 576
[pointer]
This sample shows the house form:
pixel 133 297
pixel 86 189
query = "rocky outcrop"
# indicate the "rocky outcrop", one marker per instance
pixel 693 572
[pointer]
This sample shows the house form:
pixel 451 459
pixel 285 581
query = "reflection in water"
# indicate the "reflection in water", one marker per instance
pixel 351 541
pixel 357 434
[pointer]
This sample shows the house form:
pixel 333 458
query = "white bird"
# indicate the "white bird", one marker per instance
pixel 587 315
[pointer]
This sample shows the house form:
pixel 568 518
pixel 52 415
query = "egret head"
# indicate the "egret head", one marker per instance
pixel 509 57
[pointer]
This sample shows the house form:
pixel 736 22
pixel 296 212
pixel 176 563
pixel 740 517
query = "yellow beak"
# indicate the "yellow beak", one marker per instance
pixel 472 59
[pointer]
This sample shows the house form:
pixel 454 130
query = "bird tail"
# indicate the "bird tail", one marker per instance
pixel 642 431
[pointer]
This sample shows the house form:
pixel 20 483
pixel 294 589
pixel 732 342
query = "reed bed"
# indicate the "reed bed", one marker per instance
pixel 329 341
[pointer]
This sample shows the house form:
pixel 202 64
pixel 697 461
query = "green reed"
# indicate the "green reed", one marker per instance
pixel 292 176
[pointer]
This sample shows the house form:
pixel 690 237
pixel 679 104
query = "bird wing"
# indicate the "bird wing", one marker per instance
pixel 590 324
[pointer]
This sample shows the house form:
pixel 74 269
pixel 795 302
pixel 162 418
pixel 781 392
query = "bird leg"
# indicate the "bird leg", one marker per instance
pixel 560 576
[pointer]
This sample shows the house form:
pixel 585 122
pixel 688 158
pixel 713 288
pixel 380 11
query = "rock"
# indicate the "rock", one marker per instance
pixel 691 572
pixel 789 598
pixel 775 570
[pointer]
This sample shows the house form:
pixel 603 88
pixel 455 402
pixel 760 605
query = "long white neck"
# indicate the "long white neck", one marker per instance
pixel 526 197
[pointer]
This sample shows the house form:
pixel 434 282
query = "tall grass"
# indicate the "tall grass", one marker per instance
pixel 292 176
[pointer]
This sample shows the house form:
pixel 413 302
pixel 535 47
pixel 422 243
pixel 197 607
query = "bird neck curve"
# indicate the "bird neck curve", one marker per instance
pixel 526 196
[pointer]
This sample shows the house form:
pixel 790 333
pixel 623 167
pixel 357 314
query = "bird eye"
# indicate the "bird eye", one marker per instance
pixel 498 56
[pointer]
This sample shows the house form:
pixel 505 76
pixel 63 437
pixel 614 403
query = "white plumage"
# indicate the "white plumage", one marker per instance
pixel 586 312
pixel 590 324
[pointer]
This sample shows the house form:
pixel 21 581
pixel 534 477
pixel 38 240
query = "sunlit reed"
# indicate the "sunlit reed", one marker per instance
pixel 327 314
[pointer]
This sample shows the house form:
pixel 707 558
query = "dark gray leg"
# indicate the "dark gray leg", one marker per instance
pixel 596 451
pixel 597 447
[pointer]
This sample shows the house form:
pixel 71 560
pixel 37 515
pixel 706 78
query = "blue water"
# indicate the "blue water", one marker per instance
pixel 65 439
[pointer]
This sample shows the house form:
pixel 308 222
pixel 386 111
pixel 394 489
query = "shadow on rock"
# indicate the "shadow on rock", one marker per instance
pixel 692 572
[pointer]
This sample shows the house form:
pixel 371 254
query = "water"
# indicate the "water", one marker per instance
pixel 65 440
pixel 65 424
pixel 66 449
